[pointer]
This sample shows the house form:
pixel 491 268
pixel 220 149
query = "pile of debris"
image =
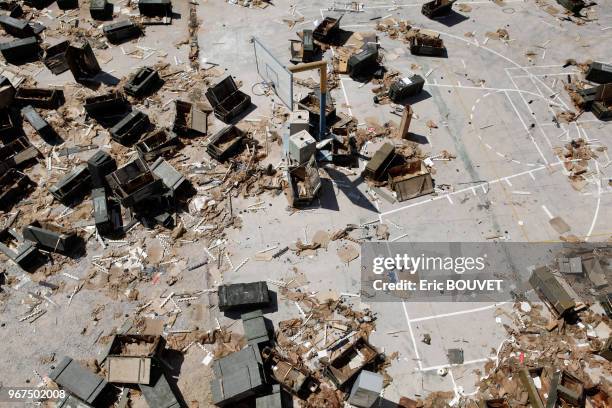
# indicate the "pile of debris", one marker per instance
pixel 576 156
pixel 594 98
pixel 322 356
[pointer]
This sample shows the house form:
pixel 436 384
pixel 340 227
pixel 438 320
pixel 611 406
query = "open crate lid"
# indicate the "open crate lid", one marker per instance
pixel 219 92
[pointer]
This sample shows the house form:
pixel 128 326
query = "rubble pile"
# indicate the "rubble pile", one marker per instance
pixel 553 354
pixel 130 188
pixel 576 156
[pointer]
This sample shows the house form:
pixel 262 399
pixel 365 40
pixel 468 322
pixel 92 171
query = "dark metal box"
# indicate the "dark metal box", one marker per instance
pixel 437 8
pixel 227 100
pixel 40 97
pixel 155 7
pixel 121 31
pixel 20 50
pixel 105 105
pixel 157 143
pixel 134 183
pixel 241 296
pixel 15 27
pixel 82 60
pixel 51 237
pixel 143 82
pixel 100 165
pixel 81 382
pixel 74 185
pixel 38 123
pixel 130 128
pixel 406 87
pixel 225 143
pixel 55 57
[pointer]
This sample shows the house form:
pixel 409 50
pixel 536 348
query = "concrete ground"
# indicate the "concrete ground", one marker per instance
pixel 505 183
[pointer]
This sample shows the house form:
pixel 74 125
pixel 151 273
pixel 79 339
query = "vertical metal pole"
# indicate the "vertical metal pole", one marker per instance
pixel 322 124
pixel 323 101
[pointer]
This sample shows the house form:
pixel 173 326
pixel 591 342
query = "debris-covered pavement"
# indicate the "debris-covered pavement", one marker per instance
pixel 186 188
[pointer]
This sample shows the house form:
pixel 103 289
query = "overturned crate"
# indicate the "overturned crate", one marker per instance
pixel 157 143
pixel 297 380
pixel 7 92
pixel 17 51
pixel 7 125
pixel 410 180
pixel 380 162
pixel 364 63
pixel 106 105
pixel 345 152
pixel 16 153
pixel 243 296
pixel 130 128
pixel 311 103
pixel 143 82
pixel 160 394
pixel 552 291
pixel 174 182
pixel 238 375
pixel 76 379
pixel 226 143
pixel 41 126
pixel 602 110
pixel 40 97
pixel 82 61
pixel 72 186
pixel 134 183
pixel 599 73
pixel 131 357
pixel 573 5
pixel 12 245
pixel 100 165
pixel 303 50
pixel 327 29
pixel 101 9
pixel 406 87
pixel 189 119
pixel 255 329
pixel 427 44
pixel 347 359
pixel 51 237
pixel 15 27
pixel 12 7
pixel 437 8
pixel 155 8
pixel 55 58
pixel 67 4
pixel 304 184
pixel 101 210
pixel 14 185
pixel 121 31
pixel 227 100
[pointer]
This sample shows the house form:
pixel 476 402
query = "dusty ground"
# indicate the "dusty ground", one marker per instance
pixel 493 102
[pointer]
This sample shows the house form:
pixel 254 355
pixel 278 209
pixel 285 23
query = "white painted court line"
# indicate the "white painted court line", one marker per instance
pixel 592 227
pixel 547 211
pixel 482 185
pixel 459 312
pixel 526 128
pixel 414 343
pixel 348 104
pixel 468 362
